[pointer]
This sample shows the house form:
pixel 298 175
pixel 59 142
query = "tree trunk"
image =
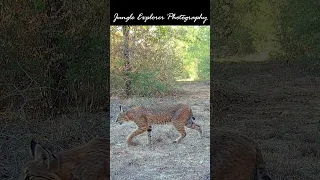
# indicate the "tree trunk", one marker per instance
pixel 127 68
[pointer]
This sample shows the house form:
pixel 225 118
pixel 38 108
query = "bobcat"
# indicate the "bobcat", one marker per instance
pixel 235 157
pixel 179 115
pixel 87 162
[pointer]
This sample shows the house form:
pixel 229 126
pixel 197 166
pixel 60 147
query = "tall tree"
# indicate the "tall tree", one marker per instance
pixel 126 30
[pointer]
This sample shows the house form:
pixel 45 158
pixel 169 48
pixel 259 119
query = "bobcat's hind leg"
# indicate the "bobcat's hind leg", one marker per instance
pixel 137 132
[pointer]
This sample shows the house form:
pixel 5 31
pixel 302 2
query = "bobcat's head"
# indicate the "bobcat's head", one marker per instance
pixel 122 115
pixel 45 164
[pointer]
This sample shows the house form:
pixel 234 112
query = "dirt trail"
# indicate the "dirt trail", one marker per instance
pixel 188 160
pixel 278 106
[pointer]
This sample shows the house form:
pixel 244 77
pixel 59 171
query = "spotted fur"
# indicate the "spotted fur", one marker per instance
pixel 89 161
pixel 235 157
pixel 180 115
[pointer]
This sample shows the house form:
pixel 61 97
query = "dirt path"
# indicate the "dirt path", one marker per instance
pixel 188 160
pixel 278 106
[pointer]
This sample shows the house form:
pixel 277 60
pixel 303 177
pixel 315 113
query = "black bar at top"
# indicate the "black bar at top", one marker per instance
pixel 174 12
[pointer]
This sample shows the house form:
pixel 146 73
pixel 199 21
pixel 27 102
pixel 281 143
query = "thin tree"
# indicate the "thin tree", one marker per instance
pixel 127 68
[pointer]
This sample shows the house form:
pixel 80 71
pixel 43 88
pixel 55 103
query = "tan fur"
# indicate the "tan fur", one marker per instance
pixel 180 115
pixel 235 157
pixel 86 162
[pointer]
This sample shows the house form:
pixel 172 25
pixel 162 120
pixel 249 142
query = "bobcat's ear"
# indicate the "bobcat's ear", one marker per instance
pixel 44 156
pixel 126 108
pixel 123 108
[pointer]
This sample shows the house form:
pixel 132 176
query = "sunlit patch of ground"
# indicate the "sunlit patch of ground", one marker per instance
pixel 186 80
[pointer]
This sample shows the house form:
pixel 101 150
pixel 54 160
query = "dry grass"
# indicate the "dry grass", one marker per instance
pixel 163 160
pixel 278 107
pixel 55 133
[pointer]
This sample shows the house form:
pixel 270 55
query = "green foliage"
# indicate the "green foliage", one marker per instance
pixel 198 53
pixel 148 83
pixel 204 68
pixel 158 55
pixel 193 44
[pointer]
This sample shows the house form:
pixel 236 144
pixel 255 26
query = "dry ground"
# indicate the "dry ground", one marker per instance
pixel 188 160
pixel 55 133
pixel 277 106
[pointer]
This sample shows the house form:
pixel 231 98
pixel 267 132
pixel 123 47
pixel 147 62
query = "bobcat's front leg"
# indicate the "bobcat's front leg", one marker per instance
pixel 137 132
pixel 133 134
